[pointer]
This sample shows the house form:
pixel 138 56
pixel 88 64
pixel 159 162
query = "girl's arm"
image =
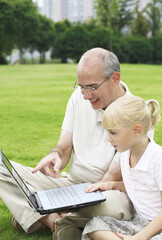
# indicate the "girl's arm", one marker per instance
pixel 154 227
pixel 112 180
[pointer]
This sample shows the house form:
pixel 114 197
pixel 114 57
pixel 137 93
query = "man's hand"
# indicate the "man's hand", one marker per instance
pixel 50 165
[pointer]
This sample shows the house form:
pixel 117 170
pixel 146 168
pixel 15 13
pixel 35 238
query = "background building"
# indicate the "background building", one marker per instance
pixel 73 10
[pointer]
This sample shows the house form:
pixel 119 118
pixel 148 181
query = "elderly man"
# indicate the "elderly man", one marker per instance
pixel 98 84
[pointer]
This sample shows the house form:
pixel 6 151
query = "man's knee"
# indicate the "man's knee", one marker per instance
pixel 117 205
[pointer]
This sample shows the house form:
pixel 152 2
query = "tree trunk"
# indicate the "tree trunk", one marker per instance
pixel 21 53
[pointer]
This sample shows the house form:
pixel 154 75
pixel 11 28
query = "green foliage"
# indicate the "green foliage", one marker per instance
pixel 153 11
pixel 121 48
pixel 23 27
pixel 90 24
pixel 158 48
pixel 24 23
pixel 72 43
pixel 77 41
pixel 44 36
pixel 125 14
pixel 99 38
pixel 113 15
pixel 140 24
pixel 6 27
pixel 58 46
pixel 62 26
pixel 139 49
pixel 59 50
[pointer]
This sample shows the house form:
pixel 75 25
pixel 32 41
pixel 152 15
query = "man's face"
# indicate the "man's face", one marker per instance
pixel 92 76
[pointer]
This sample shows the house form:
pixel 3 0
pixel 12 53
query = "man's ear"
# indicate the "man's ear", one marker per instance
pixel 116 77
pixel 137 129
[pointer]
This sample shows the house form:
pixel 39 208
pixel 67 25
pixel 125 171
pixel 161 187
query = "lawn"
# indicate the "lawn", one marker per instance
pixel 33 100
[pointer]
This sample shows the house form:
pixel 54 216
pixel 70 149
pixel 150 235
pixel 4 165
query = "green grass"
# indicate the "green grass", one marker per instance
pixel 33 100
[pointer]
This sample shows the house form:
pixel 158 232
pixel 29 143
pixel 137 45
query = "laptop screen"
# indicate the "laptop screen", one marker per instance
pixel 15 175
pixel 65 196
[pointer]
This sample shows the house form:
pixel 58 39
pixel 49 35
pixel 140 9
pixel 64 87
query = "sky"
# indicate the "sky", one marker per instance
pixel 40 2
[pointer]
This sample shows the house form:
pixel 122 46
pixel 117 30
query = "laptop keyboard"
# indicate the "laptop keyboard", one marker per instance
pixel 63 196
pixel 67 196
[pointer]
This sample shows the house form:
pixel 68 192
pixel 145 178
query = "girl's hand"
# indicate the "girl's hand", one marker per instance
pixel 100 186
pixel 125 237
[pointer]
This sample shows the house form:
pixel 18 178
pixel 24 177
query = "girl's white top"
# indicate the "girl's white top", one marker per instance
pixel 144 182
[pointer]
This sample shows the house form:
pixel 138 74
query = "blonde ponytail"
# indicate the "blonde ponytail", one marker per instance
pixel 154 112
pixel 129 110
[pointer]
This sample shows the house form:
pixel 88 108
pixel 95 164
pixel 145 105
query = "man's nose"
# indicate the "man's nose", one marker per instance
pixel 86 94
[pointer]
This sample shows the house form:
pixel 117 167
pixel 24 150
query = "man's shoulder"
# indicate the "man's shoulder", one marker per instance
pixel 76 95
pixel 124 85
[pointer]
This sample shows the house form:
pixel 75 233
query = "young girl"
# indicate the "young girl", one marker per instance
pixel 128 121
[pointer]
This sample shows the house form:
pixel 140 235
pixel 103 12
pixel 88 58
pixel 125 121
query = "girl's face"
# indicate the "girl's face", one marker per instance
pixel 121 139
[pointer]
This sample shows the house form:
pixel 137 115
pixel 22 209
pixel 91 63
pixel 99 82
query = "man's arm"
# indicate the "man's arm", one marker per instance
pixel 58 157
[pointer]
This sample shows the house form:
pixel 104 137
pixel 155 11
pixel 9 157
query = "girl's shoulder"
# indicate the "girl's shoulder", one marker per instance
pixel 156 147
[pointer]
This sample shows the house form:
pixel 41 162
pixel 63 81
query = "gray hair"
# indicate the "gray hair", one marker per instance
pixel 109 60
pixel 110 63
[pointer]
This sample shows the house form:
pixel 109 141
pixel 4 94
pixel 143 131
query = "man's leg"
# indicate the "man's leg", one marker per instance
pixel 14 199
pixel 117 205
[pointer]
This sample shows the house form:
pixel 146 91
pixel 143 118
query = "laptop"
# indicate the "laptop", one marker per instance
pixel 66 199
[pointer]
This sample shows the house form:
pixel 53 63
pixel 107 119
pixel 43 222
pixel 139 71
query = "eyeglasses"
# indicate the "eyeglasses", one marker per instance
pixel 90 88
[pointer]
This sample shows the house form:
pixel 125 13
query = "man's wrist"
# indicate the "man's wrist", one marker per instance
pixel 54 151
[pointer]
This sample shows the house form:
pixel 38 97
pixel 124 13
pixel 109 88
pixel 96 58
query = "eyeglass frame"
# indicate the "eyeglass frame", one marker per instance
pixel 89 88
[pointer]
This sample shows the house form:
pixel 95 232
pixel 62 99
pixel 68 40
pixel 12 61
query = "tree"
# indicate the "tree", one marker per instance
pixel 113 15
pixel 105 12
pixel 6 29
pixel 90 24
pixel 58 49
pixel 139 49
pixel 62 26
pixel 77 42
pixel 34 35
pixel 44 36
pixel 140 25
pixel 72 43
pixel 154 15
pixel 99 38
pixel 25 13
pixel 158 49
pixel 124 15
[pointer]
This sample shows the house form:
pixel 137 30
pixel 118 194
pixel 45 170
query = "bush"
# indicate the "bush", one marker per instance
pixel 77 42
pixel 99 38
pixel 158 49
pixel 140 49
pixel 3 60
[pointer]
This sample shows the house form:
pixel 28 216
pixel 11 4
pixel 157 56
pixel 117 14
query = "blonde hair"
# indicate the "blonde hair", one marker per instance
pixel 127 111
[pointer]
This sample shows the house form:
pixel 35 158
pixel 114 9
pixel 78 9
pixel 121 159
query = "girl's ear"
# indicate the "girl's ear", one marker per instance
pixel 138 129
